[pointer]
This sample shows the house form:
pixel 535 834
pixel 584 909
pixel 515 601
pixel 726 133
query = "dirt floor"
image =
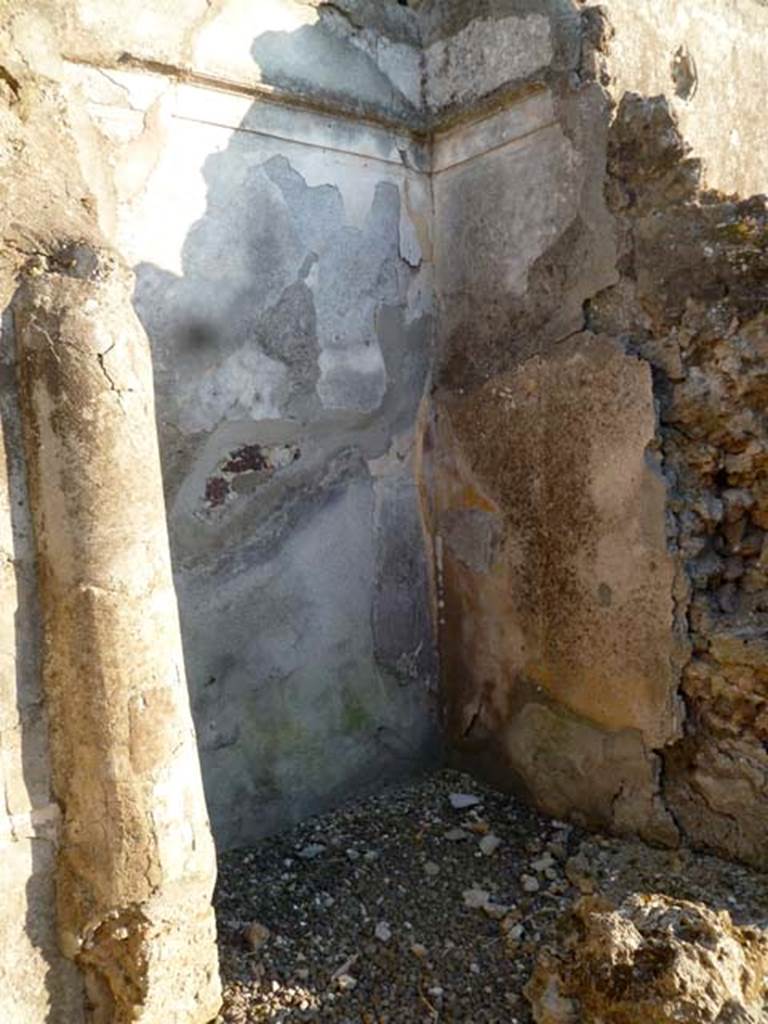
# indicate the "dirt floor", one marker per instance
pixel 405 908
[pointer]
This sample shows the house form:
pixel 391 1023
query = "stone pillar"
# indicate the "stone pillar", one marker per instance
pixel 136 863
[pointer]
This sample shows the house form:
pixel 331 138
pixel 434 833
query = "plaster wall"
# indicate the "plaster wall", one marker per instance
pixel 283 260
pixel 555 580
pixel 360 55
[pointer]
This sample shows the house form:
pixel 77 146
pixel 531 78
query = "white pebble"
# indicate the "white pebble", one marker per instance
pixel 311 851
pixel 475 899
pixel 460 801
pixel 455 835
pixel 543 862
pixel 489 844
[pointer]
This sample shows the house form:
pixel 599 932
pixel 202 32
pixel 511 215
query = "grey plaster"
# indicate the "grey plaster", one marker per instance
pixel 338 58
pixel 447 21
pixel 291 354
pixel 497 51
pixel 293 711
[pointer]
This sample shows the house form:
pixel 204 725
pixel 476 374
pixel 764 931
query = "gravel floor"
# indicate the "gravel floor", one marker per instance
pixel 404 909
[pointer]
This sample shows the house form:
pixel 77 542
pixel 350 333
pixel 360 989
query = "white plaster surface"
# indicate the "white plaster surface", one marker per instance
pixel 723 120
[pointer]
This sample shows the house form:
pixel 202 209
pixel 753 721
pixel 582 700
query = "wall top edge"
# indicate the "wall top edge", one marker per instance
pixel 428 130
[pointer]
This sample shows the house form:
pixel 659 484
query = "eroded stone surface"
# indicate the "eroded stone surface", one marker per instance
pixel 651 958
pixel 136 862
pixel 500 51
pixel 691 298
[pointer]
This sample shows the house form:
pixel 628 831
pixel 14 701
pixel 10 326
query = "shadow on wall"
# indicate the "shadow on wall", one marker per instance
pixel 308 60
pixel 29 798
pixel 285 361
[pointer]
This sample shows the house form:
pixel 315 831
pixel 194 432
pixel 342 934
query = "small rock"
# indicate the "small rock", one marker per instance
pixel 516 932
pixel 345 968
pixel 578 872
pixel 418 950
pixel 383 932
pixel 460 801
pixel 511 920
pixel 475 899
pixel 489 844
pixel 455 835
pixel 311 851
pixel 256 934
pixel 431 868
pixel 346 982
pixel 558 850
pixel 496 911
pixel 543 862
pixel 529 883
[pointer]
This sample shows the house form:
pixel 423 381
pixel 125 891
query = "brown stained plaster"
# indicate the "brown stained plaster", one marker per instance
pixel 594 72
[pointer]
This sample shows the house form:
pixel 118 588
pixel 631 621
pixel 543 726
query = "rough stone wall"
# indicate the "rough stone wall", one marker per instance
pixel 691 301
